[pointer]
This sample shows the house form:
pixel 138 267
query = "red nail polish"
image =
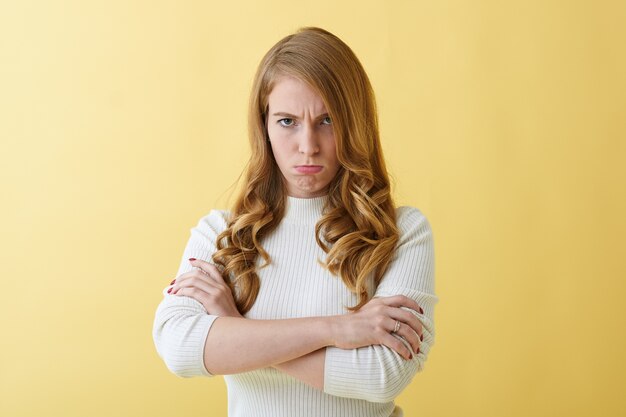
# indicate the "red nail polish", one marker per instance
pixel 418 351
pixel 421 311
pixel 421 338
pixel 192 259
pixel 410 356
pixel 172 283
pixel 170 290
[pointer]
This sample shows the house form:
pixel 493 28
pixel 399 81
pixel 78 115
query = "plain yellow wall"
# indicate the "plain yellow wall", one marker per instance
pixel 123 122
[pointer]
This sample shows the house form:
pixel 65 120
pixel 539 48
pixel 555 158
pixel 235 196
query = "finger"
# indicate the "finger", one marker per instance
pixel 410 336
pixel 195 282
pixel 195 293
pixel 208 268
pixel 197 263
pixel 405 330
pixel 407 317
pixel 200 263
pixel 412 320
pixel 194 273
pixel 402 300
pixel 395 344
pixel 214 273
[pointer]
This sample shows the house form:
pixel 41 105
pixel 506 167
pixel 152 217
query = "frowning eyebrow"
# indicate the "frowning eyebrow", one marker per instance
pixel 293 116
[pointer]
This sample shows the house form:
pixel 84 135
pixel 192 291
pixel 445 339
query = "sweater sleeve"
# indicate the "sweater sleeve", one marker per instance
pixel 377 373
pixel 181 324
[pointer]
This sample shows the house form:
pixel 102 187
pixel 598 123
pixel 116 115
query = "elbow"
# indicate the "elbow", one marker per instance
pixel 376 373
pixel 386 393
pixel 397 378
pixel 382 397
pixel 393 378
pixel 180 368
pixel 180 340
pixel 389 391
pixel 176 367
pixel 180 360
pixel 174 355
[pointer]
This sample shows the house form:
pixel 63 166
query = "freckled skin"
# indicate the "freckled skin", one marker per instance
pixel 304 137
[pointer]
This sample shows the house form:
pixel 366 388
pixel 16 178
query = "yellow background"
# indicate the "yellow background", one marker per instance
pixel 123 122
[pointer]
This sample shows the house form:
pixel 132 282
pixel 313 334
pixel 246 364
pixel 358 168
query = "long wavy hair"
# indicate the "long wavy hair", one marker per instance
pixel 357 229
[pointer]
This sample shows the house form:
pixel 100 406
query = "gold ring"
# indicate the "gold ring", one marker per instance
pixel 397 327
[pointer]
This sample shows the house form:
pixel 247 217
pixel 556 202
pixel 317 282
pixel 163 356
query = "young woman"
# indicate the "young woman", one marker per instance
pixel 314 295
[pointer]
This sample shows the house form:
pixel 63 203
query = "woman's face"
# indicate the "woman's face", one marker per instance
pixel 302 138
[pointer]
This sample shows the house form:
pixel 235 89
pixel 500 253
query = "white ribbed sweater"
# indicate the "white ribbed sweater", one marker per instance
pixel 357 382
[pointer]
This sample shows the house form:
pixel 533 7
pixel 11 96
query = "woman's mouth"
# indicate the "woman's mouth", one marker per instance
pixel 309 169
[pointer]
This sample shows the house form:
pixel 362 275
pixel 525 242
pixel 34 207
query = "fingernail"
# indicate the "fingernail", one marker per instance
pixel 421 311
pixel 172 283
pixel 170 290
pixel 192 259
pixel 421 338
pixel 418 351
pixel 410 356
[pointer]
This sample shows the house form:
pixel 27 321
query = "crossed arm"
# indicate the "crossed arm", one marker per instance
pixel 307 348
pixel 294 346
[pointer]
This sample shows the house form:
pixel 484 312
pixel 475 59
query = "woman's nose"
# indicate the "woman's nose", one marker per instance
pixel 309 141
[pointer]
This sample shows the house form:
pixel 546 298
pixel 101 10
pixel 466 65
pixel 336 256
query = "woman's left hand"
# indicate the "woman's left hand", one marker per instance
pixel 206 285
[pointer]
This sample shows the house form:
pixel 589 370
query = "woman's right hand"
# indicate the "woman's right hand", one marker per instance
pixel 375 322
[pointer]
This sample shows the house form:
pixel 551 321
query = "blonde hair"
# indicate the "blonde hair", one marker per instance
pixel 358 221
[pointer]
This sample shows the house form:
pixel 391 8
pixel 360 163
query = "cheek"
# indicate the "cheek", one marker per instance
pixel 281 150
pixel 331 153
pixel 278 135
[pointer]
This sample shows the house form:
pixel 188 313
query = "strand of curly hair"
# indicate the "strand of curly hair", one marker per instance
pixel 357 231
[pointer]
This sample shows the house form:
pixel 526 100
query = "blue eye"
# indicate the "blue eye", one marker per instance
pixel 291 120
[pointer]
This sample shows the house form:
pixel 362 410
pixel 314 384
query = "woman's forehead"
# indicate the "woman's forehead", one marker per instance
pixel 295 97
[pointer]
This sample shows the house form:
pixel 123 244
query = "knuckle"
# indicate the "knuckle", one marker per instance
pixel 404 299
pixel 417 342
pixel 416 325
pixel 420 326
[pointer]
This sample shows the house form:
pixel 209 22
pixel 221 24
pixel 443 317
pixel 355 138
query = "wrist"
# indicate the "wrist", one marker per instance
pixel 333 326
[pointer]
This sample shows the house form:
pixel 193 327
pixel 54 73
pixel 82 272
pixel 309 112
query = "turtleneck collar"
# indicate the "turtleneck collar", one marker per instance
pixel 304 210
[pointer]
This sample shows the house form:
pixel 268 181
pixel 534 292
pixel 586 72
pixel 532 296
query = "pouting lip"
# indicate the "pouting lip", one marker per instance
pixel 308 169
